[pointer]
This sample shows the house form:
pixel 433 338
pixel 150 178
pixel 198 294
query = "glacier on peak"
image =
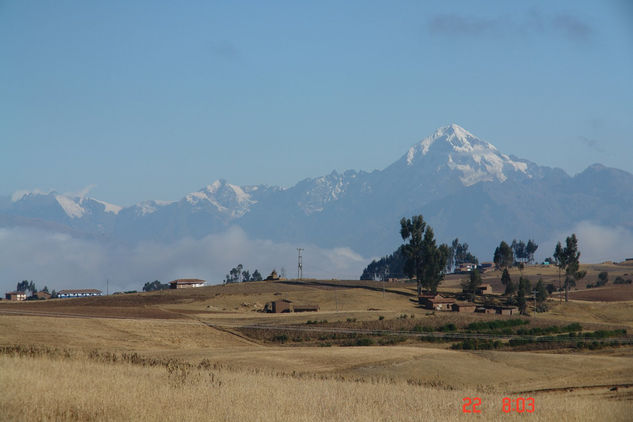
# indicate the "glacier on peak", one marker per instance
pixel 20 194
pixel 70 207
pixel 108 207
pixel 321 190
pixel 150 206
pixel 460 150
pixel 228 199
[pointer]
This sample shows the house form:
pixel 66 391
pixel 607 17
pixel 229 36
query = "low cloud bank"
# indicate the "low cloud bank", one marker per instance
pixel 596 243
pixel 61 261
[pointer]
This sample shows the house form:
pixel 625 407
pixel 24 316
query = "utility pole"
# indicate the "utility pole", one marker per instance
pixel 300 265
pixel 107 287
pixel 534 293
pixel 384 279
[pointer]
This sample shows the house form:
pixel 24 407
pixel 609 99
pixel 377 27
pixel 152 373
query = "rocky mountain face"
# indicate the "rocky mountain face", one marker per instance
pixel 462 185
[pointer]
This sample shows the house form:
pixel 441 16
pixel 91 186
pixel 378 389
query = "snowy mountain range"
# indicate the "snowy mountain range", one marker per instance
pixel 462 185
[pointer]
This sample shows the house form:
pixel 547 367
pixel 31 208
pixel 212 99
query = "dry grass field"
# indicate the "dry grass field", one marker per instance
pixel 247 377
pixel 80 389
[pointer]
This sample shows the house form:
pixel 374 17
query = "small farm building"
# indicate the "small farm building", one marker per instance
pixel 15 296
pixel 78 293
pixel 184 283
pixel 486 266
pixel 507 310
pixel 285 305
pixel 436 302
pixel 466 267
pixel 306 308
pixel 42 295
pixel 464 307
pixel 273 276
pixel 279 306
pixel 484 289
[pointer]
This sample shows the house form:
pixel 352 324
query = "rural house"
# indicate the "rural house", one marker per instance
pixel 42 295
pixel 278 306
pixel 484 289
pixel 273 276
pixel 507 310
pixel 184 283
pixel 78 293
pixel 464 307
pixel 285 305
pixel 306 308
pixel 466 267
pixel 436 302
pixel 16 296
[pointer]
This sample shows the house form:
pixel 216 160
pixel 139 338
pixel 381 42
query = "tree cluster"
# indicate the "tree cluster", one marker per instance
pixel 524 252
pixel 518 253
pixel 519 293
pixel 239 274
pixel 424 259
pixel 541 296
pixel 503 257
pixel 470 286
pixel 390 266
pixel 458 254
pixel 26 286
pixel 567 259
pixel 155 286
pixel 523 292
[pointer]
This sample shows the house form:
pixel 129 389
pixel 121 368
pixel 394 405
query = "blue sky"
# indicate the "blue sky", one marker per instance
pixel 151 100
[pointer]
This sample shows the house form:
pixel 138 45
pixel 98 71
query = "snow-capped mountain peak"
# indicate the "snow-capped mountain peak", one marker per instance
pixel 149 207
pixel 452 137
pixel 226 198
pixel 457 149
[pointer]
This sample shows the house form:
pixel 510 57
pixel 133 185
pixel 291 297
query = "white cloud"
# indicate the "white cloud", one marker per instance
pixel 82 193
pixel 596 243
pixel 62 261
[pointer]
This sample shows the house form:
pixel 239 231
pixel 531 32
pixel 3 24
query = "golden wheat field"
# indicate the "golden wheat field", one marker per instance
pixel 186 355
pixel 41 388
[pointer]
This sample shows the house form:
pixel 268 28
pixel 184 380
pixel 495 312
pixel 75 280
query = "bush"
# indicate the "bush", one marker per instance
pixel 364 342
pixel 495 324
pixel 448 327
pixel 542 307
pixel 381 317
pixel 391 340
pixel 477 344
pixel 603 278
pixel 282 338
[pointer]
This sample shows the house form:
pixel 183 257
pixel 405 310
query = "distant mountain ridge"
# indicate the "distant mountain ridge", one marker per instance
pixel 462 185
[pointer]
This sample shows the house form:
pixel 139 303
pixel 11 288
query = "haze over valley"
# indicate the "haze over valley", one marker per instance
pixel 463 185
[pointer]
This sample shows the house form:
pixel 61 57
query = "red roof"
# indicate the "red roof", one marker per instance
pixel 442 300
pixel 435 298
pixel 78 291
pixel 187 281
